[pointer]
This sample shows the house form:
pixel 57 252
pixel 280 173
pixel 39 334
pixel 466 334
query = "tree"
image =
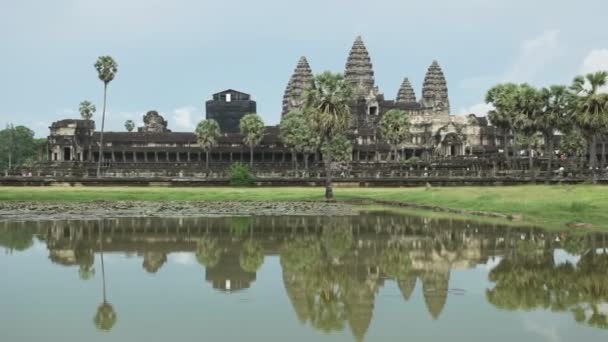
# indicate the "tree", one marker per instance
pixel 129 125
pixel 591 113
pixel 297 135
pixel 528 108
pixel 106 71
pixel 557 104
pixel 18 147
pixel 105 317
pixel 207 132
pixel 252 256
pixel 395 128
pixel 327 111
pixel 86 109
pixel 252 128
pixel 502 98
pixel 340 148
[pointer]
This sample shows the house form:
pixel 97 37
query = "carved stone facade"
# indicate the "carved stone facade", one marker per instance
pixel 434 131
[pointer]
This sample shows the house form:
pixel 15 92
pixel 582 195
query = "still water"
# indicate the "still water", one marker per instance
pixel 372 277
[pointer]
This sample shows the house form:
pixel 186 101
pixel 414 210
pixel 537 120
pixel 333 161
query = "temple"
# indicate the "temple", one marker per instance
pixel 435 132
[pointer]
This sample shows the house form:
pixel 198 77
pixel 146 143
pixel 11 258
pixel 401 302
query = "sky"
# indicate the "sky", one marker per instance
pixel 174 54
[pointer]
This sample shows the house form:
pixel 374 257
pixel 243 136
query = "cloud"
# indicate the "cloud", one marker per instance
pixel 534 55
pixel 183 118
pixel 182 258
pixel 480 109
pixel 596 60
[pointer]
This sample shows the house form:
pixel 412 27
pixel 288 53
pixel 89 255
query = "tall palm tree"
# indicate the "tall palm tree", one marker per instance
pixel 528 108
pixel 395 128
pixel 106 71
pixel 252 128
pixel 591 114
pixel 557 104
pixel 207 132
pixel 327 110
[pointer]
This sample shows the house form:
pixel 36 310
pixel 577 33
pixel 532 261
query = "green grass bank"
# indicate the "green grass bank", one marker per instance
pixel 553 207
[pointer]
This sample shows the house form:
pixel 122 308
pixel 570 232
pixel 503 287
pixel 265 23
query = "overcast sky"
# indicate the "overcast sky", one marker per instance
pixel 173 54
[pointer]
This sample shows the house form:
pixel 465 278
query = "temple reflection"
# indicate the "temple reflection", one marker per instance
pixel 333 268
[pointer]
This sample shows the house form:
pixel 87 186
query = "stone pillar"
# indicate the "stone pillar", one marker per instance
pixel 145 156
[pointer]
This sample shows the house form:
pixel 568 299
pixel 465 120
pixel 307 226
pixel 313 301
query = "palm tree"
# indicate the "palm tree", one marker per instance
pixel 395 128
pixel 252 128
pixel 106 71
pixel 207 132
pixel 557 104
pixel 327 110
pixel 129 125
pixel 296 133
pixel 528 108
pixel 591 114
pixel 502 98
pixel 86 109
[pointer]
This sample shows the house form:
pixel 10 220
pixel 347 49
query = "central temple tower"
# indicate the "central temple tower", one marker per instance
pixel 359 71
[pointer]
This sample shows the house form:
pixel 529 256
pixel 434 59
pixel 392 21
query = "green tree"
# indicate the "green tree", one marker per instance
pixel 327 110
pixel 87 110
pixel 395 128
pixel 529 107
pixel 18 147
pixel 297 135
pixel 557 105
pixel 129 125
pixel 208 252
pixel 252 128
pixel 591 113
pixel 340 148
pixel 252 256
pixel 502 98
pixel 106 71
pixel 207 132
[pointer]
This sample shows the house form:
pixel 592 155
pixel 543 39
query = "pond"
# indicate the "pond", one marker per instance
pixel 371 277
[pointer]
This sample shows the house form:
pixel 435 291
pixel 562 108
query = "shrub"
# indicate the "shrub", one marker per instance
pixel 240 175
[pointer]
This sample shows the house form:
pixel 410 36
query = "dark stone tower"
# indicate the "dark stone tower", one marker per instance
pixel 359 71
pixel 435 90
pixel 228 107
pixel 406 92
pixel 302 77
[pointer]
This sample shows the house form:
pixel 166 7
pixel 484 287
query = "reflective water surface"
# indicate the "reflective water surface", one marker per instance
pixel 372 277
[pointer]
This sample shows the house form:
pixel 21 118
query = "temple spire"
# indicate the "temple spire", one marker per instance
pixel 406 92
pixel 359 71
pixel 300 79
pixel 435 89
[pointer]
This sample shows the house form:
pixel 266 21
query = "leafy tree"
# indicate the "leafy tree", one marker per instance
pixel 591 113
pixel 18 147
pixel 340 148
pixel 252 128
pixel 557 105
pixel 327 110
pixel 207 132
pixel 86 109
pixel 106 71
pixel 129 125
pixel 573 142
pixel 395 128
pixel 528 107
pixel 297 135
pixel 240 175
pixel 502 98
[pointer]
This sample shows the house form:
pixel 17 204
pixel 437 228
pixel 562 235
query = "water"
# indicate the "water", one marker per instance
pixel 372 277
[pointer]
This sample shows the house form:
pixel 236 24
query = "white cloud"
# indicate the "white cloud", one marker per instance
pixel 183 119
pixel 479 109
pixel 534 55
pixel 596 60
pixel 182 258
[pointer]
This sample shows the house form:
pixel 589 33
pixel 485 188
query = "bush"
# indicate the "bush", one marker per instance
pixel 240 175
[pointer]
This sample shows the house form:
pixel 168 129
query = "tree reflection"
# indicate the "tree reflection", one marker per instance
pixel 105 317
pixel 208 252
pixel 252 256
pixel 527 281
pixel 16 238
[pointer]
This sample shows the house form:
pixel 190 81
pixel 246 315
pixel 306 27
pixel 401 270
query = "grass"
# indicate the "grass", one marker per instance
pixel 544 206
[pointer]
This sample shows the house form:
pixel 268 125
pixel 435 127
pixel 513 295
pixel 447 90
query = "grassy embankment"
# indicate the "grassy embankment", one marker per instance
pixel 546 206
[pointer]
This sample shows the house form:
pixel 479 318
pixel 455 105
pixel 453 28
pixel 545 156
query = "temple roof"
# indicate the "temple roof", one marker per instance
pixel 435 88
pixel 406 92
pixel 300 79
pixel 359 71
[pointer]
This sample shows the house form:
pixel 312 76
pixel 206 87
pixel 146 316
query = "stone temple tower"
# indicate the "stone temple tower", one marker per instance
pixel 359 70
pixel 299 81
pixel 406 92
pixel 435 90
